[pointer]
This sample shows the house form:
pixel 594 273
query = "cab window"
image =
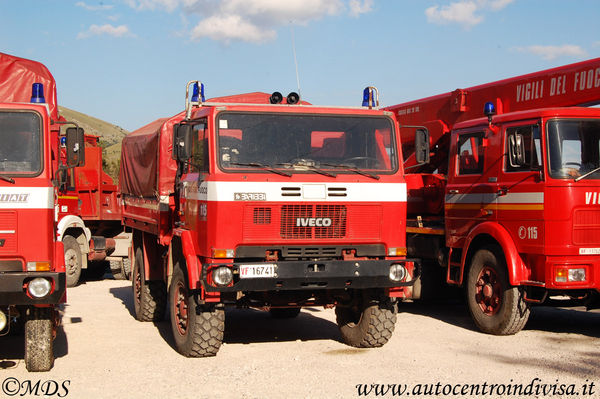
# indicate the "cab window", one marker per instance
pixel 199 161
pixel 470 154
pixel 525 139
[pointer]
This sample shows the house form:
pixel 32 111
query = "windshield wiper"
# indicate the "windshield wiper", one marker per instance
pixel 352 169
pixel 587 174
pixel 8 179
pixel 312 168
pixel 261 166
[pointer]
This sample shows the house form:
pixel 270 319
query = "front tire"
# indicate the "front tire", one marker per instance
pixel 72 260
pixel 369 325
pixel 496 307
pixel 39 346
pixel 197 329
pixel 149 297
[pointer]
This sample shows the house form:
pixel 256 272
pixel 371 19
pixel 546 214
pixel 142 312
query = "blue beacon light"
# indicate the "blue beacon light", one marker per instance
pixel 37 93
pixel 198 92
pixel 489 110
pixel 366 97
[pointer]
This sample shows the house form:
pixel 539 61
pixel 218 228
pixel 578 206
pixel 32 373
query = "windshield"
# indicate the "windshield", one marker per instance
pixel 305 143
pixel 20 143
pixel 573 148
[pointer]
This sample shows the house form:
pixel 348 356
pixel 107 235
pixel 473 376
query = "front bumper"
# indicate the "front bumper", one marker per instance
pixel 12 291
pixel 311 275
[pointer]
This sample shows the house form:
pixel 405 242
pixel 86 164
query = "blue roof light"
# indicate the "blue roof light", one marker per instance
pixel 198 92
pixel 489 109
pixel 366 97
pixel 37 93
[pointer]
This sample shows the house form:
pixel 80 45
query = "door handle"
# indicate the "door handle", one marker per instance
pixel 502 191
pixel 452 191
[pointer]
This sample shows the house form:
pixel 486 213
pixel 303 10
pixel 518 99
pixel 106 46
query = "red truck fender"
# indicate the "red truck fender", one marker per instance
pixel 189 253
pixel 517 271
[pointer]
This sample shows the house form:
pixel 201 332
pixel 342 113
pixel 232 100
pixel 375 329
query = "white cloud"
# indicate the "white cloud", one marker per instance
pixel 357 8
pixel 232 27
pixel 107 29
pixel 254 21
pixel 496 5
pixel 168 5
pixel 100 7
pixel 553 52
pixel 464 12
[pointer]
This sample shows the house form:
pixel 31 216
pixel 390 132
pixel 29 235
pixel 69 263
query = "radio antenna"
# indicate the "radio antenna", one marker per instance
pixel 295 61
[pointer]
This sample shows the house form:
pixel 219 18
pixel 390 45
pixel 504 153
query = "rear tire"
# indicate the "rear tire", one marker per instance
pixel 121 269
pixel 197 329
pixel 149 297
pixel 369 325
pixel 496 307
pixel 284 313
pixel 39 346
pixel 72 260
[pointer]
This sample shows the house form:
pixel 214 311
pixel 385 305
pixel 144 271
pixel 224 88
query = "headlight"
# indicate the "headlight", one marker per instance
pixel 3 320
pixel 39 287
pixel 222 275
pixel 397 272
pixel 577 275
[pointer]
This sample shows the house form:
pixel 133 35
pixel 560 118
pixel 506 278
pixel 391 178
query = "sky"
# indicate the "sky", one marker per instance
pixel 128 61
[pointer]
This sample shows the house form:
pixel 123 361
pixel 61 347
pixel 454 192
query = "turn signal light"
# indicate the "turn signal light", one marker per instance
pixel 396 251
pixel 223 253
pixel 38 266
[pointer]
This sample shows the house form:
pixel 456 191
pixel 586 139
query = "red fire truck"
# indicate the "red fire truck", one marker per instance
pixel 259 201
pixel 89 220
pixel 32 272
pixel 509 202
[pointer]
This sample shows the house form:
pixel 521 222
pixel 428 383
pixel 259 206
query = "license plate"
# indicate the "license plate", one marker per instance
pixel 257 271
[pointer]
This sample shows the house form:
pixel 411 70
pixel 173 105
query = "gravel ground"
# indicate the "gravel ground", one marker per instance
pixel 103 352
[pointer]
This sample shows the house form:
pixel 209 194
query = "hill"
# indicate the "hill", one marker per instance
pixel 110 137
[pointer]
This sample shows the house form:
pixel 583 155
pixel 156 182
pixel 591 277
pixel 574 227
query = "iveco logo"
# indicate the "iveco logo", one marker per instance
pixel 313 222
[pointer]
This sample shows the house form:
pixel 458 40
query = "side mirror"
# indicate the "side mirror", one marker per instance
pixel 422 146
pixel 75 147
pixel 516 150
pixel 182 142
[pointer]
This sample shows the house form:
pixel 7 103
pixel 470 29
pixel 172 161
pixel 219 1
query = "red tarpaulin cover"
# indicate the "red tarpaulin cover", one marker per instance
pixel 147 169
pixel 16 77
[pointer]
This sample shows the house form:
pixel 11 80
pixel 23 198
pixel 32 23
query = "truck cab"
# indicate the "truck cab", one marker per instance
pixel 32 273
pixel 32 267
pixel 275 206
pixel 535 173
pixel 508 201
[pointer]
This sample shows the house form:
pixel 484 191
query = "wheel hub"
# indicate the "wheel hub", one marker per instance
pixel 71 262
pixel 181 309
pixel 488 293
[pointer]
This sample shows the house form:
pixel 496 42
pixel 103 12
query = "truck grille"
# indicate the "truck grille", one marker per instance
pixel 8 234
pixel 267 224
pixel 586 227
pixel 298 221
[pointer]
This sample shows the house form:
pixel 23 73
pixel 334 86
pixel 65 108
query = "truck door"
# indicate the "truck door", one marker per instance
pixel 472 183
pixel 521 191
pixel 195 206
